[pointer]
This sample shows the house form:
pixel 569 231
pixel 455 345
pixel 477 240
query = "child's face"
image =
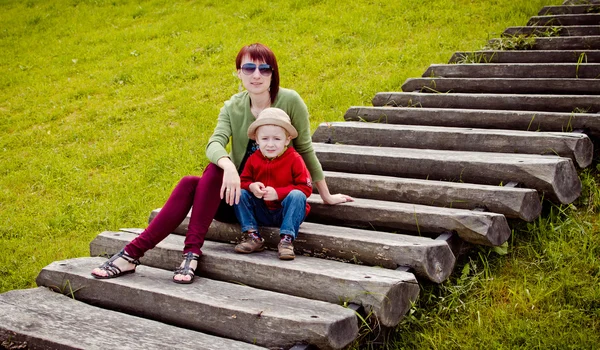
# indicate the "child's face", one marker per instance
pixel 271 140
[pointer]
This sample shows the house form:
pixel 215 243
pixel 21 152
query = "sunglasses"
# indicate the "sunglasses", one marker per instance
pixel 250 68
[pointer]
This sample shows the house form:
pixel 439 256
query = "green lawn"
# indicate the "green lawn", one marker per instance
pixel 105 105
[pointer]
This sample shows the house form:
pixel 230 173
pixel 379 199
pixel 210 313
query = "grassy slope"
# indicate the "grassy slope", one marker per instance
pixel 104 105
pixel 545 293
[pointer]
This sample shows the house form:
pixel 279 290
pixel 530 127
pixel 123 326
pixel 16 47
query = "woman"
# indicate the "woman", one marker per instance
pixel 214 194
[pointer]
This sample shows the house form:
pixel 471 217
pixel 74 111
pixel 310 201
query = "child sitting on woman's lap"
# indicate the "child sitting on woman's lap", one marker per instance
pixel 275 185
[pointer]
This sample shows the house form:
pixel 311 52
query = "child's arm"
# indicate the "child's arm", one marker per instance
pixel 248 173
pixel 247 180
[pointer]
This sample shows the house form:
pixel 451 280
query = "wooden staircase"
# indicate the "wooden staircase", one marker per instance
pixel 443 165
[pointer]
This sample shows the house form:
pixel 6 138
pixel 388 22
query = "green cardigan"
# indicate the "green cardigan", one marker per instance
pixel 235 118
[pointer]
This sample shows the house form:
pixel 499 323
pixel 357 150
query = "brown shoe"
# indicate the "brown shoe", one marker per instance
pixel 250 244
pixel 286 250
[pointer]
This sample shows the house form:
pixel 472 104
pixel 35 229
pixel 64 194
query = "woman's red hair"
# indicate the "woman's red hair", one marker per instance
pixel 260 52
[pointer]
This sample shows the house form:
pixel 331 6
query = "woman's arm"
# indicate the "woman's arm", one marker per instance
pixel 216 153
pixel 298 112
pixel 215 148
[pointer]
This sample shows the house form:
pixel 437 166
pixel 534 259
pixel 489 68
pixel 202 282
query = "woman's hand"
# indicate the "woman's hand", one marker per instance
pixel 230 189
pixel 333 199
pixel 329 198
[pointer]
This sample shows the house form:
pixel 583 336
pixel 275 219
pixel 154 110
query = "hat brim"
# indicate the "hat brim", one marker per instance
pixel 271 121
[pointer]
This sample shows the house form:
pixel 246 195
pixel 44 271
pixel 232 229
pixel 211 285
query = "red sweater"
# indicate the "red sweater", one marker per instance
pixel 284 173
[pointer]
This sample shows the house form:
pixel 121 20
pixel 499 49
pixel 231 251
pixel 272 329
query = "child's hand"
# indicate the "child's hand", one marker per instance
pixel 257 189
pixel 270 194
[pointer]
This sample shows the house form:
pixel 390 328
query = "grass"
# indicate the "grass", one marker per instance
pixel 105 105
pixel 543 294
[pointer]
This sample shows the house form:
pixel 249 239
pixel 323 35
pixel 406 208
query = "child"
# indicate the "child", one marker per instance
pixel 275 184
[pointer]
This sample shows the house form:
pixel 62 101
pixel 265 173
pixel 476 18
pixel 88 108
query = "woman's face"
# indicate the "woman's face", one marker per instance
pixel 256 81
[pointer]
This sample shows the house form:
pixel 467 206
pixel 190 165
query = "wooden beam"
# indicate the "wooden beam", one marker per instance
pixel 577 19
pixel 539 103
pixel 560 31
pixel 555 43
pixel 386 293
pixel 514 70
pixel 39 318
pixel 521 203
pixel 479 228
pixel 553 175
pixel 504 85
pixel 479 118
pixel 576 146
pixel 230 310
pixel 528 56
pixel 429 259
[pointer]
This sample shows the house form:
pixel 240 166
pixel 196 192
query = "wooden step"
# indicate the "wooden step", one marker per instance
pixel 553 175
pixel 526 56
pixel 230 310
pixel 553 31
pixel 572 9
pixel 514 70
pixel 475 227
pixel 428 258
pixel 386 293
pixel 512 202
pixel 577 19
pixel 540 103
pixel 554 43
pixel 39 318
pixel 579 2
pixel 504 85
pixel 576 146
pixel 479 118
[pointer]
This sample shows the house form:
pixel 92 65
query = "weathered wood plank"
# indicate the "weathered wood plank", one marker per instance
pixel 528 56
pixel 475 227
pixel 514 70
pixel 572 9
pixel 41 319
pixel 512 202
pixel 238 312
pixel 479 118
pixel 428 258
pixel 556 86
pixel 386 293
pixel 578 19
pixel 579 2
pixel 553 175
pixel 560 31
pixel 591 42
pixel 540 103
pixel 576 146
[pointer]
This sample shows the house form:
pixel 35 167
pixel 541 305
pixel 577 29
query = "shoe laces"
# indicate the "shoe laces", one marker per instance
pixel 254 236
pixel 286 239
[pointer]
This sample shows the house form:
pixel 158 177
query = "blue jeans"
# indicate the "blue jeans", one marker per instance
pixel 252 211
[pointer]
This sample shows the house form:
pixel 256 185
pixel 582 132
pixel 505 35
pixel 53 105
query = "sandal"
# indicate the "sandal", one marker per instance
pixel 113 270
pixel 186 270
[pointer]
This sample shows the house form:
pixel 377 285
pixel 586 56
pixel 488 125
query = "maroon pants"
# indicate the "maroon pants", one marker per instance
pixel 201 194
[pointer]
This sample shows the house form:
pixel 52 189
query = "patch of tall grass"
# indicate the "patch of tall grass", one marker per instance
pixel 544 294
